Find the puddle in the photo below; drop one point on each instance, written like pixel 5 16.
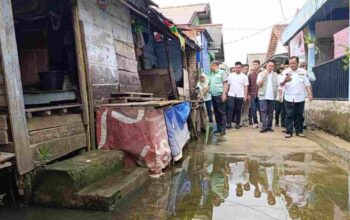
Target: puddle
pixel 230 186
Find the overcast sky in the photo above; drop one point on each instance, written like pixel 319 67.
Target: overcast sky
pixel 245 14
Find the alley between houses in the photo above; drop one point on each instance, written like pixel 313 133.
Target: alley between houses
pixel 225 179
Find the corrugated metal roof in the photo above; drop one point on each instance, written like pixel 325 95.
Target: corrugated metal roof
pixel 183 14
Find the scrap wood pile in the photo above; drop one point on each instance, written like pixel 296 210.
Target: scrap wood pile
pixel 197 121
pixel 131 97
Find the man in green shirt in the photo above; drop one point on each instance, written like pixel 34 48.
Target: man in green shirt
pixel 218 89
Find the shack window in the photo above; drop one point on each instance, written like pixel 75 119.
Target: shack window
pixel 46 48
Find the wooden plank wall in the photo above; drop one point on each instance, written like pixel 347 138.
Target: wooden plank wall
pixel 176 58
pixel 160 87
pixel 59 134
pixel 110 52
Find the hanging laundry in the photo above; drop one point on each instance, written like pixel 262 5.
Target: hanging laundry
pixel 176 32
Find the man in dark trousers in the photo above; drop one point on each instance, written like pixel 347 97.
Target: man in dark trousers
pixel 218 90
pixel 237 95
pixel 253 94
pixel 294 83
pixel 268 86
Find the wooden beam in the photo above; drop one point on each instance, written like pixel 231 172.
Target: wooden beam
pixel 83 83
pixel 4 137
pixel 3 101
pixel 49 108
pixel 39 123
pixel 50 134
pixel 90 93
pixel 4 156
pixel 171 71
pixel 13 83
pixel 3 123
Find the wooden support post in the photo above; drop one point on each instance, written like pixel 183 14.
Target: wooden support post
pixel 171 71
pixel 14 91
pixel 83 83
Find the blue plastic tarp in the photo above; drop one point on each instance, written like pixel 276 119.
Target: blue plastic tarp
pixel 176 123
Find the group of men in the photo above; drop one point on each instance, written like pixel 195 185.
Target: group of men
pixel 243 93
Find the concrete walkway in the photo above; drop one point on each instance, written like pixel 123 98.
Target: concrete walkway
pixel 249 140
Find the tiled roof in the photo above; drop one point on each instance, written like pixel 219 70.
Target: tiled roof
pixel 183 14
pixel 276 36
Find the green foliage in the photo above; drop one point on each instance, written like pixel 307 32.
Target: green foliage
pixel 308 39
pixel 44 154
pixel 346 58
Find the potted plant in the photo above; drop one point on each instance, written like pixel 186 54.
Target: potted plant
pixel 310 40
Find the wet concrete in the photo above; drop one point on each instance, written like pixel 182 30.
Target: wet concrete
pixel 245 175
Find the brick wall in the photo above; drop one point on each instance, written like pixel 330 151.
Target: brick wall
pixel 192 72
pixel 341 39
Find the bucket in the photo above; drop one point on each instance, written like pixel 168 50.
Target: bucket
pixel 51 80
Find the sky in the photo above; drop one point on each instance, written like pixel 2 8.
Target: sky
pixel 242 18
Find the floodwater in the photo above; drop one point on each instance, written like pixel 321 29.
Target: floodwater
pixel 205 185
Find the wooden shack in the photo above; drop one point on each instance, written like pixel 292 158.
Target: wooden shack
pixel 58 60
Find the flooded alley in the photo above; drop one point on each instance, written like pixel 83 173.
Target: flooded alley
pixel 241 179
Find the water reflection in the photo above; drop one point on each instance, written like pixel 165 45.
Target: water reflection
pixel 297 186
pixel 219 186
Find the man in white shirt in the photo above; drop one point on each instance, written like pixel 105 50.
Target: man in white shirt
pixel 294 84
pixel 237 95
pixel 268 86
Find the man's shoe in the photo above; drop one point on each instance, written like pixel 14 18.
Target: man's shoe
pixel 263 131
pixel 284 131
pixel 228 127
pixel 223 133
pixel 270 130
pixel 301 135
pixel 217 132
pixel 255 126
pixel 288 136
pixel 238 127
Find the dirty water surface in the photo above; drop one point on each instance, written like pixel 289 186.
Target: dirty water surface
pixel 242 185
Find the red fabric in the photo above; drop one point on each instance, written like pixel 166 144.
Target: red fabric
pixel 140 133
pixel 168 23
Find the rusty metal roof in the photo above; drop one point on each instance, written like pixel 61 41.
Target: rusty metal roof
pixel 276 36
pixel 184 14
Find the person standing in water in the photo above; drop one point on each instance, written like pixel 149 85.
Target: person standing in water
pixel 204 95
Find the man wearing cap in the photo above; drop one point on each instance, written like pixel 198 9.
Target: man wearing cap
pixel 218 90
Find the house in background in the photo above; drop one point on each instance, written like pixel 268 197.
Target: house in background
pixel 275 45
pixel 202 37
pixel 198 15
pixel 324 25
pixel 198 18
pixel 276 51
pixel 255 56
